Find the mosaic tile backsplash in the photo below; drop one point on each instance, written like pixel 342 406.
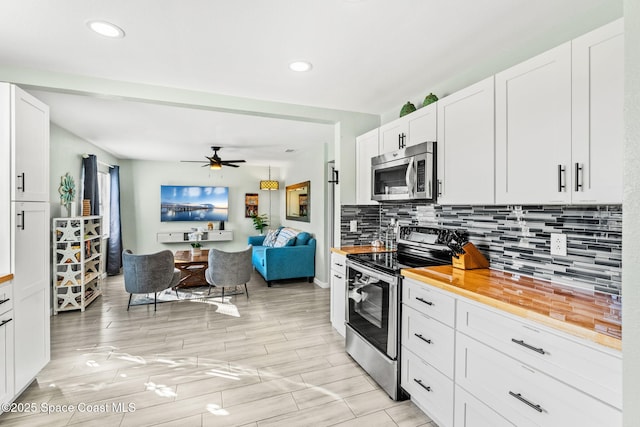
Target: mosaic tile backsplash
pixel 515 238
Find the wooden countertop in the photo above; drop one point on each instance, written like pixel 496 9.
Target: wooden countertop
pixel 6 278
pixel 350 250
pixel 588 314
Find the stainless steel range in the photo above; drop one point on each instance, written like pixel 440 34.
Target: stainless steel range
pixel 373 300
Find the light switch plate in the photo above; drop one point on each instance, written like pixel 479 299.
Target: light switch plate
pixel 353 225
pixel 558 244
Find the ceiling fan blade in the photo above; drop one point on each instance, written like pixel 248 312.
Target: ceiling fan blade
pixel 233 161
pixel 231 165
pixel 191 161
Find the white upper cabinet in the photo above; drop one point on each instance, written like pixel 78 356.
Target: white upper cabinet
pixel 598 91
pixel 422 125
pixel 29 146
pixel 366 148
pixel 5 180
pixel 465 149
pixel 414 128
pixel 533 130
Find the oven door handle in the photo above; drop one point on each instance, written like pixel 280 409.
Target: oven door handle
pixel 390 279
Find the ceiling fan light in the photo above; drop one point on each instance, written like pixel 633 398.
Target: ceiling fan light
pixel 215 166
pixel 269 184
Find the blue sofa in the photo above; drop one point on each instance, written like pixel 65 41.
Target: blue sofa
pixel 287 262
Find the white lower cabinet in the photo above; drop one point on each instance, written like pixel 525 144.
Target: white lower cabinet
pixel 338 282
pixel 524 395
pixel 467 364
pixel 430 389
pixel 432 340
pixel 470 412
pixel 6 343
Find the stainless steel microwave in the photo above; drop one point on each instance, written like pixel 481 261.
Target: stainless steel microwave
pixel 406 174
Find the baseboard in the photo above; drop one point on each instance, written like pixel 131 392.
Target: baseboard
pixel 320 283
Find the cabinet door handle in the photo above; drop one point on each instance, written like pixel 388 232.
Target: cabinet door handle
pixel 426 387
pixel 339 265
pixel 21 177
pixel 561 185
pixel 424 301
pixel 439 187
pixel 526 402
pixel 2 301
pixel 4 322
pixel 529 346
pixel 21 216
pixel 423 338
pixel 579 174
pixel 338 276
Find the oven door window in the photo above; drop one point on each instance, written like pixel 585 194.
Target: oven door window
pixel 369 308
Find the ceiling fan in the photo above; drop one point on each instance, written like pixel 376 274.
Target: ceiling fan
pixel 215 162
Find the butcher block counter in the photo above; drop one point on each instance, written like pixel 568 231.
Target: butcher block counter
pixel 6 278
pixel 591 315
pixel 351 250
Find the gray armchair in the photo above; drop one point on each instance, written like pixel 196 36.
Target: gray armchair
pixel 229 269
pixel 144 274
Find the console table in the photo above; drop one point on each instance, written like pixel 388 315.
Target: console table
pixel 183 236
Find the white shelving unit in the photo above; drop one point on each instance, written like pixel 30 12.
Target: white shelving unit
pixel 77 254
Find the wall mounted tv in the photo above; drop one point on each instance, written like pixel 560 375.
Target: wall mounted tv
pixel 193 203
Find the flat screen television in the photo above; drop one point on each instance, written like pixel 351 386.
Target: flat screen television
pixel 193 203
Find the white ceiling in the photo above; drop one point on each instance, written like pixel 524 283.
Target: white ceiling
pixel 368 56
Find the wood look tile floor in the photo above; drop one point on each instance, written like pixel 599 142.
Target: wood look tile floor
pixel 270 360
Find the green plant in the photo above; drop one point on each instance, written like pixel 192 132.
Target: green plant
pixel 196 245
pixel 260 222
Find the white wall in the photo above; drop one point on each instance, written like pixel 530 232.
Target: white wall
pixel 140 201
pixel 583 22
pixel 630 222
pixel 65 151
pixel 310 165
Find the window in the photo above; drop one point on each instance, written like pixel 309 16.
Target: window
pixel 104 185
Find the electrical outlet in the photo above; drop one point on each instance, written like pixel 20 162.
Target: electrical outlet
pixel 353 225
pixel 558 244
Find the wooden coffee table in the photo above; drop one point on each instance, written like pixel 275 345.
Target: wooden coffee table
pixel 192 267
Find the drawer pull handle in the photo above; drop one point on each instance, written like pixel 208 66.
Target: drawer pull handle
pixel 339 265
pixel 426 387
pixel 525 401
pixel 2 301
pixel 530 347
pixel 424 301
pixel 4 322
pixel 423 338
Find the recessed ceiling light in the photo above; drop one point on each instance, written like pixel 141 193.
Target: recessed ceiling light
pixel 300 66
pixel 106 29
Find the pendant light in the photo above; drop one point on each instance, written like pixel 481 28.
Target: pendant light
pixel 269 184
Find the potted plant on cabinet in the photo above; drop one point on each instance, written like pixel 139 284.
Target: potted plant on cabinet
pixel 196 246
pixel 260 222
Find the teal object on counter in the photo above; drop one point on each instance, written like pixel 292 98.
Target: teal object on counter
pixel 407 108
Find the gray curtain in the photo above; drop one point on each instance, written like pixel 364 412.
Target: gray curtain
pixel 91 190
pixel 114 251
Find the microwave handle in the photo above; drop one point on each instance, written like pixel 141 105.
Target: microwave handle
pixel 410 177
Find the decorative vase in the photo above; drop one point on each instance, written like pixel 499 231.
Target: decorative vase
pixel 71 209
pixel 429 99
pixel 407 108
pixel 196 251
